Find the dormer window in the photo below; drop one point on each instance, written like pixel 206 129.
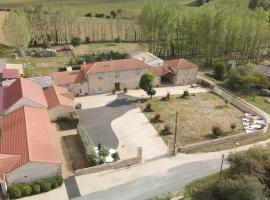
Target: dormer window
pixel 99 75
pixel 117 75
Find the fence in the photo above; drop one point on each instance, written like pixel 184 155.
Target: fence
pixel 112 166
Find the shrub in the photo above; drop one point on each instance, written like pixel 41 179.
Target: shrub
pixel 217 131
pixel 115 156
pixel 125 90
pixel 87 39
pixel 113 91
pixel 36 189
pixel 233 126
pixel 99 15
pixel 88 15
pixel 75 118
pixel 26 189
pixel 117 40
pixel 219 71
pixel 167 97
pixel 14 192
pixel 59 180
pixel 185 94
pixel 265 92
pixel 87 145
pixel 157 117
pixel 54 182
pixel 166 130
pixel 103 152
pixel 148 108
pixel 78 106
pixel 45 185
pixel 76 41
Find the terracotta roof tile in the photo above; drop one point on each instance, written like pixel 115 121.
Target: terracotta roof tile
pixel 27 132
pixel 10 73
pixel 68 77
pixel 25 88
pixel 179 63
pixel 160 70
pixel 7 163
pixel 56 96
pixel 114 65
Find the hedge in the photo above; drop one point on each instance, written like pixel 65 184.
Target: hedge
pixel 87 145
pixel 75 117
pixel 19 190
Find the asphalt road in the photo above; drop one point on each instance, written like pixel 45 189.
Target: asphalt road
pixel 152 186
pixel 98 120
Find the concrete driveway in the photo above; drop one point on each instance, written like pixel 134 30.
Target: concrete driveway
pixel 98 120
pixel 134 130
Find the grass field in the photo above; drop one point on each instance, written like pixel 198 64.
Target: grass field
pixel 104 6
pixel 259 102
pixel 197 116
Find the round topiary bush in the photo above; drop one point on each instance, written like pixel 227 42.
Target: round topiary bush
pixel 217 131
pixel 14 192
pixel 26 189
pixel 45 185
pixel 36 189
pixel 54 182
pixel 59 180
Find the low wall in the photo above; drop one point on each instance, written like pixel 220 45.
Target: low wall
pixel 112 166
pixel 237 102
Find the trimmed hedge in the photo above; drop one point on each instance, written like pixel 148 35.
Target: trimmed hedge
pixel 87 145
pixel 19 190
pixel 75 117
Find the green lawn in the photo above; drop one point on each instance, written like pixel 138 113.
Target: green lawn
pixel 85 6
pixel 197 116
pixel 259 102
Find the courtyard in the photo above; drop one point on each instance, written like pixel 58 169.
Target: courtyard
pixel 197 116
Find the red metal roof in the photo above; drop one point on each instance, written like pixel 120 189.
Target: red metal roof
pixel 10 73
pixel 23 88
pixel 7 163
pixel 68 77
pixel 179 63
pixel 56 96
pixel 114 65
pixel 27 132
pixel 160 70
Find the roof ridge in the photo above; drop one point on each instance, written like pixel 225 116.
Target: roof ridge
pixel 54 90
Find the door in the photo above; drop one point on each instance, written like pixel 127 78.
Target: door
pixel 117 86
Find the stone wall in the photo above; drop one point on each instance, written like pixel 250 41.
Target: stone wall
pixel 237 102
pixel 112 166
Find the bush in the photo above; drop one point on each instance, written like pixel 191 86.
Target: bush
pixel 103 152
pixel 59 180
pixel 14 192
pixel 115 156
pixel 125 90
pixel 220 71
pixel 87 145
pixel 265 92
pixel 87 39
pixel 45 185
pixel 148 108
pixel 99 15
pixel 26 189
pixel 156 118
pixel 233 126
pixel 113 91
pixel 78 106
pixel 167 130
pixel 76 41
pixel 217 131
pixel 54 182
pixel 36 189
pixel 167 97
pixel 75 118
pixel 88 15
pixel 117 40
pixel 185 94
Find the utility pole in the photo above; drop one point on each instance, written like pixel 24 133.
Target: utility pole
pixel 221 166
pixel 175 132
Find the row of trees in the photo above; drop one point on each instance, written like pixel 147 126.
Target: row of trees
pixel 43 25
pixel 211 32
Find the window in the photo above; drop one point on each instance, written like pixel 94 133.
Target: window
pixel 117 74
pixel 99 75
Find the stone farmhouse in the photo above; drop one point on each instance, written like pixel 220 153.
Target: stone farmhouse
pixel 106 76
pixel 27 148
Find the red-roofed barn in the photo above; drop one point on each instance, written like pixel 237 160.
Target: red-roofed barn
pixel 27 148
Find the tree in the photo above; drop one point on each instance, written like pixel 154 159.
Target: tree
pixel 220 71
pixel 76 41
pixel 265 4
pixel 16 30
pixel 241 188
pixel 146 84
pixel 113 13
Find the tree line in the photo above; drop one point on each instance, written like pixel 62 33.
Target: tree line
pixel 210 32
pixel 59 25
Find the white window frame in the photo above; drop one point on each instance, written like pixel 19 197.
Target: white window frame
pixel 100 75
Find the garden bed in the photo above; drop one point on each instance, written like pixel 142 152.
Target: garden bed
pixel 197 116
